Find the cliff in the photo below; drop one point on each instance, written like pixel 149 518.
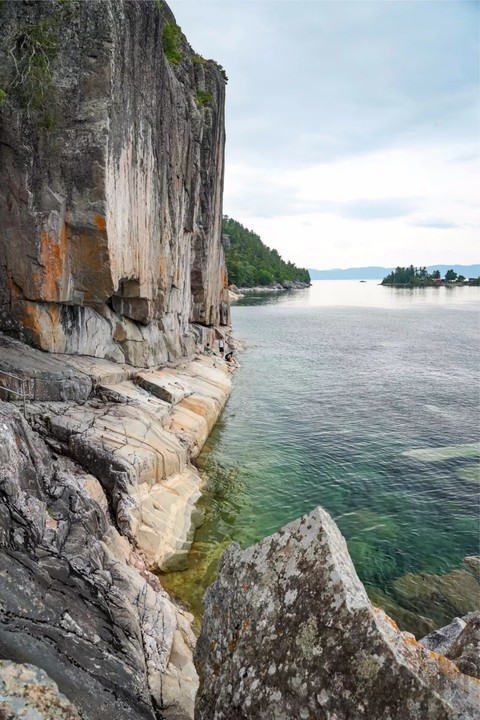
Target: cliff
pixel 111 264
pixel 111 176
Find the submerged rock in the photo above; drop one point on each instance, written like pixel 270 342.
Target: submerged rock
pixel 289 632
pixel 442 597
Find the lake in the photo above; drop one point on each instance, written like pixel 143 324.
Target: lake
pixel 340 388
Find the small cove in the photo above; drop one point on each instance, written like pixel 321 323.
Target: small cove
pixel 338 385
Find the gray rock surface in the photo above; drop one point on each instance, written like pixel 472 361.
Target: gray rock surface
pixel 28 693
pixel 460 642
pixel 111 180
pixel 44 376
pixel 289 632
pixel 75 599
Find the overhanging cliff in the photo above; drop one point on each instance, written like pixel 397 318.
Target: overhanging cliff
pixel 111 177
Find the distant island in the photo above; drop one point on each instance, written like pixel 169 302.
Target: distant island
pixel 419 277
pixel 250 263
pixel 375 272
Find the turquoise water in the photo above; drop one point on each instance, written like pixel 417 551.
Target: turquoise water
pixel 336 383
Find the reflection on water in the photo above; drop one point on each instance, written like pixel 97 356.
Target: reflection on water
pixel 338 385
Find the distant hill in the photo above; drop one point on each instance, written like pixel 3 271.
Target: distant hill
pixel 374 272
pixel 250 262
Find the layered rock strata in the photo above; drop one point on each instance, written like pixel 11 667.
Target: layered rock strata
pixel 111 177
pixel 89 511
pixel 289 632
pixel 75 599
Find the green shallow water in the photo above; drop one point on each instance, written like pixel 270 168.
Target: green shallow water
pixel 364 400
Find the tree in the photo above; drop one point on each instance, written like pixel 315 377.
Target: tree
pixel 450 276
pixel 436 275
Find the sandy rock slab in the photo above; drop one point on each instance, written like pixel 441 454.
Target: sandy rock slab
pixel 75 600
pixel 139 447
pixel 289 632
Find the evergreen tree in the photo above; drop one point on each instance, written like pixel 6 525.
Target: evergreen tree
pixel 250 262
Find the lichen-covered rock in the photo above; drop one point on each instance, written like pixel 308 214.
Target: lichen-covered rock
pixel 75 599
pixel 289 632
pixel 28 693
pixel 111 178
pixel 460 642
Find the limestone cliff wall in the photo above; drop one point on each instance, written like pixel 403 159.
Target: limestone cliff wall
pixel 111 179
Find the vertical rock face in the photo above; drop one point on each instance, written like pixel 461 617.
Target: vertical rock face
pixel 289 632
pixel 111 178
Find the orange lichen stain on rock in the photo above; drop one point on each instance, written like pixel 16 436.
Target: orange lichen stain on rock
pixel 54 258
pixel 245 625
pixel 44 325
pixel 100 222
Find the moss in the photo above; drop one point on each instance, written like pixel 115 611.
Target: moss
pixel 171 41
pixel 3 96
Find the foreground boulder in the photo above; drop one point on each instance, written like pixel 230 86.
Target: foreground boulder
pixel 289 633
pixel 75 599
pixel 27 692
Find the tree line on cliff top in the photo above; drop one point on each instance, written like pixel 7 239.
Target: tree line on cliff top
pixel 250 262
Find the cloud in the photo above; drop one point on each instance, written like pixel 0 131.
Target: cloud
pixel 434 223
pixel 377 209
pixel 352 127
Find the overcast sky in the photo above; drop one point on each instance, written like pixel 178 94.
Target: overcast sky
pixel 352 127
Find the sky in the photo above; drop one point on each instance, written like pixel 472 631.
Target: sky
pixel 353 127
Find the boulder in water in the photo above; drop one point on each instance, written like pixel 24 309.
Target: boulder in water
pixel 289 632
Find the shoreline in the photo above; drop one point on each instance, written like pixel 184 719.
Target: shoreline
pixel 129 437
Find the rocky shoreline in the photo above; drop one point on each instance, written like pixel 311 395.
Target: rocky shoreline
pixel 100 492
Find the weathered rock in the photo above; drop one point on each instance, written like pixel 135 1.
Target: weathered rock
pixel 139 448
pixel 111 179
pixel 72 601
pixel 27 692
pixel 38 375
pixel 460 642
pixel 289 632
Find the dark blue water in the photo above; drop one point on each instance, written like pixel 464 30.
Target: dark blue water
pixel 336 383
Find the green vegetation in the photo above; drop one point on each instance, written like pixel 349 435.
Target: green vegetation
pixel 171 42
pixel 199 60
pixel 33 46
pixel 203 98
pixel 3 95
pixel 251 263
pixel 419 277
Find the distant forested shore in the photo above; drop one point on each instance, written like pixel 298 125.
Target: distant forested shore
pixel 251 263
pixel 419 277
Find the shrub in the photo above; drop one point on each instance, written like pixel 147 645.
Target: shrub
pixel 204 98
pixel 171 38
